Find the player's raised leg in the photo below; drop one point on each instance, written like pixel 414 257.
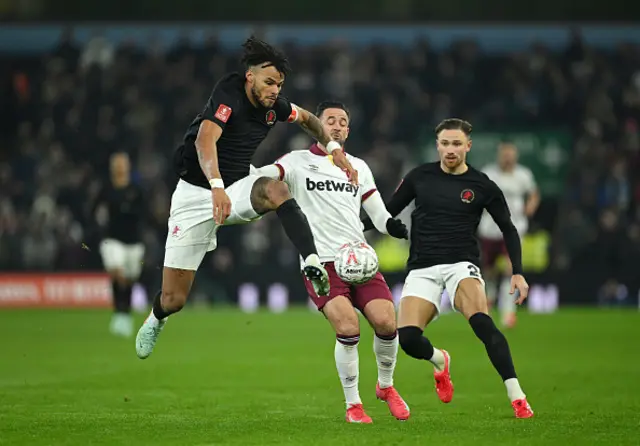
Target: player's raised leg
pixel 381 314
pixel 471 301
pixel 272 195
pixel 344 320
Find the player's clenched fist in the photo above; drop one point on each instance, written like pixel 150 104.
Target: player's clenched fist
pixel 221 205
pixel 397 229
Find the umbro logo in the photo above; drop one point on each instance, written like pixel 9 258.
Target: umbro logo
pixel 313 167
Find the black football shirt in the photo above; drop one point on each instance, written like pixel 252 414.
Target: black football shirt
pixel 447 212
pixel 244 127
pixel 127 212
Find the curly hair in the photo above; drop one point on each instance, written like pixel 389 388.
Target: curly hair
pixel 258 52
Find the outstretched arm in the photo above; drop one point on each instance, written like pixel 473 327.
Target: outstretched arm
pixel 314 128
pixel 381 218
pixel 377 211
pixel 400 200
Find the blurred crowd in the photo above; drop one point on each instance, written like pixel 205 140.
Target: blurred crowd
pixel 63 114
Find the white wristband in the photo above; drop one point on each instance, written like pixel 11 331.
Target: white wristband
pixel 333 145
pixel 216 183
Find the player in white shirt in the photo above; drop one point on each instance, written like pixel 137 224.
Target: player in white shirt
pixel 332 206
pixel 521 192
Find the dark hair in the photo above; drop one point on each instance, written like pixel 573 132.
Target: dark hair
pixel 455 124
pixel 258 52
pixel 331 104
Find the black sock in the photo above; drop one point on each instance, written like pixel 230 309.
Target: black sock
pixel 119 305
pixel 296 226
pixel 159 312
pixel 126 298
pixel 115 292
pixel 414 344
pixel 495 343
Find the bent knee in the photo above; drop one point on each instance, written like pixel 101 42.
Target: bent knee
pixel 277 192
pixel 409 339
pixel 342 317
pixel 384 324
pixel 346 325
pixel 268 194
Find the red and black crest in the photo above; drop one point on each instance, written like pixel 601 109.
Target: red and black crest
pixel 270 117
pixel 467 196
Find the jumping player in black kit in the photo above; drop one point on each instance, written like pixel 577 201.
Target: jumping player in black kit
pixel 121 248
pixel 450 197
pixel 216 187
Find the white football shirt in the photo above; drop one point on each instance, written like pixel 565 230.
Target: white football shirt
pixel 323 192
pixel 515 186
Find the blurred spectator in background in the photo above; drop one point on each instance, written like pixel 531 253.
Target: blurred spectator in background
pixel 65 113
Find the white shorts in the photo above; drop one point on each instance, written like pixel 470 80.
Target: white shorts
pixel 429 283
pixel 121 256
pixel 192 231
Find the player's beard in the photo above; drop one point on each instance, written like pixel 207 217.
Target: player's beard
pixel 258 100
pixel 451 164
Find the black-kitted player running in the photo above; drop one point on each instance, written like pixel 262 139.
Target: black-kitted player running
pixel 216 187
pixel 450 197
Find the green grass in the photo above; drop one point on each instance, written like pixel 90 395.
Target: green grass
pixel 223 377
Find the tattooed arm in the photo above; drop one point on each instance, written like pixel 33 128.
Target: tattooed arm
pixel 313 127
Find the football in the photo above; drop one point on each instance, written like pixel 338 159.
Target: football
pixel 356 263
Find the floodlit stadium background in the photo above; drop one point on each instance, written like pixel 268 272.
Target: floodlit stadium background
pixel 237 373
pixel 569 98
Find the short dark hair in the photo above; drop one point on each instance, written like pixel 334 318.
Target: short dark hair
pixel 259 52
pixel 331 104
pixel 455 124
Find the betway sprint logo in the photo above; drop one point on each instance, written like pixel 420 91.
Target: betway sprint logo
pixel 332 186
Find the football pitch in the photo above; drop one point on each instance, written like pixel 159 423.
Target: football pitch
pixel 221 377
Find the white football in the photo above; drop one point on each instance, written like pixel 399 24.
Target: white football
pixel 356 263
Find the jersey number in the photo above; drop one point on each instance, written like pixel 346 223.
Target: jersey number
pixel 473 271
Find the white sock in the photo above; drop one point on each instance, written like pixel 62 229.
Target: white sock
pixel 507 301
pixel 513 389
pixel 386 351
pixel 347 363
pixel 437 359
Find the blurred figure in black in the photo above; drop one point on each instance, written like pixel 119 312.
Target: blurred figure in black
pixel 121 248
